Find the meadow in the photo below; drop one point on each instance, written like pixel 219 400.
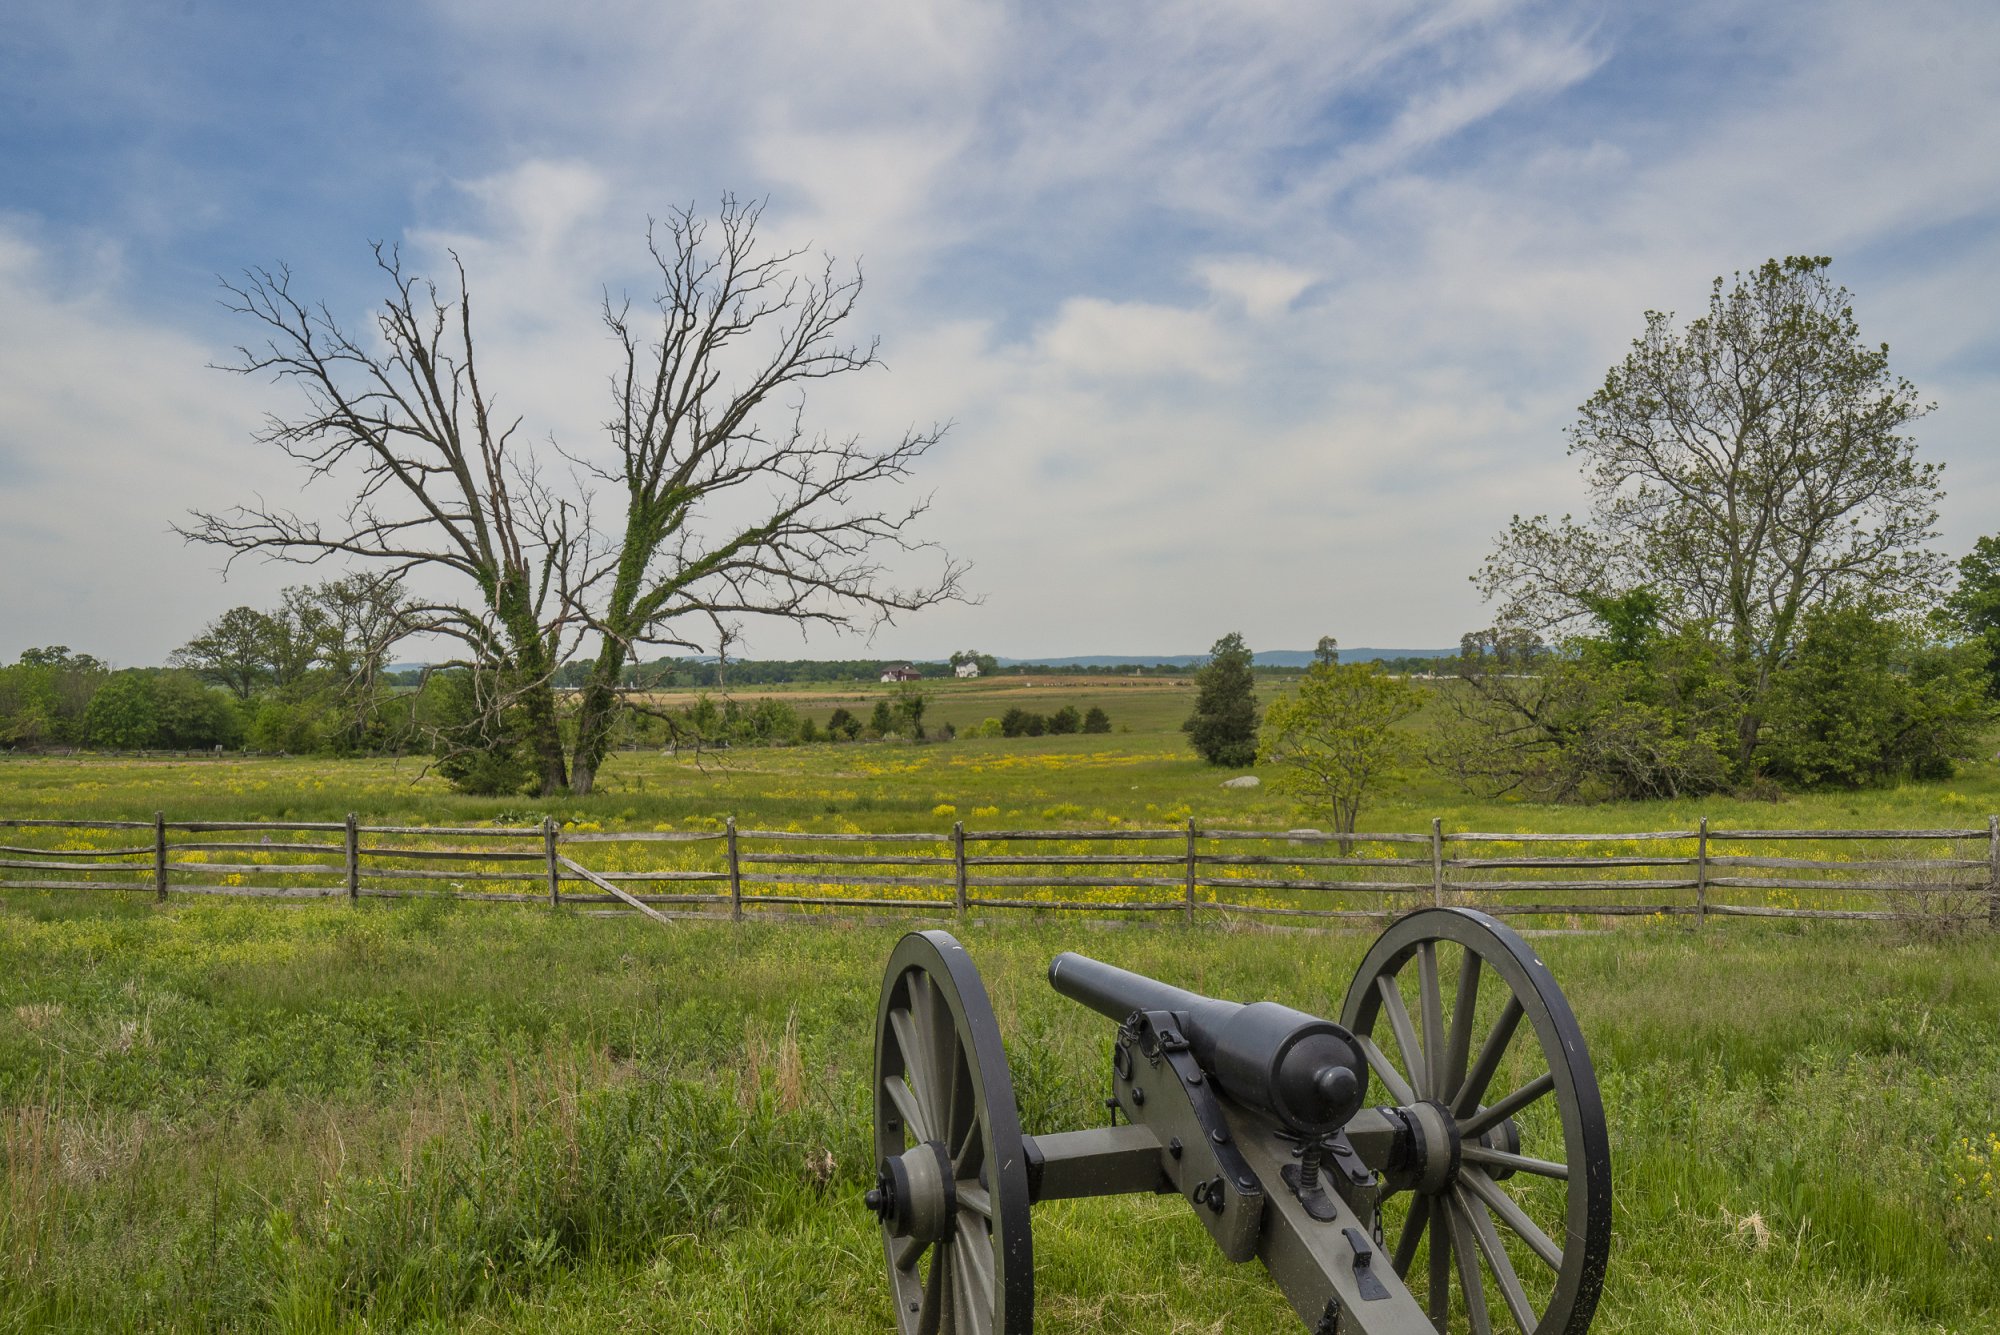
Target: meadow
pixel 442 1116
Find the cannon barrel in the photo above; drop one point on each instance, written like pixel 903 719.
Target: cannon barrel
pixel 1303 1070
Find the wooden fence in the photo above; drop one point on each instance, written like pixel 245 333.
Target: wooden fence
pixel 1948 875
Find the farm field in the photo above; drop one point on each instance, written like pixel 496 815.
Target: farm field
pixel 441 1116
pixel 448 1117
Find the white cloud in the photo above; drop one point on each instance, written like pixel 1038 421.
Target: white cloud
pixel 112 430
pixel 1272 311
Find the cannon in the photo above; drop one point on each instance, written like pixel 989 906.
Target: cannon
pixel 1436 1160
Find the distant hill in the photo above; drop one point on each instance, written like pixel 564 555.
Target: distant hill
pixel 1264 658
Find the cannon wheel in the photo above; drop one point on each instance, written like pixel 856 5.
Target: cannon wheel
pixel 943 1097
pixel 1480 1210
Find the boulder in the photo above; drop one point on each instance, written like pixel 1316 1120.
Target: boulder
pixel 1242 781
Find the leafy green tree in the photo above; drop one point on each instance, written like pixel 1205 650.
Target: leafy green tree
pixel 882 722
pixel 189 715
pixel 124 713
pixel 1096 720
pixel 1868 699
pixel 1223 727
pixel 842 726
pixel 911 701
pixel 1974 605
pixel 1065 721
pixel 1743 469
pixel 1327 650
pixel 1336 739
pixel 43 697
pixel 234 651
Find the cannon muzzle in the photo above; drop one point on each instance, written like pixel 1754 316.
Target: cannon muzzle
pixel 1305 1071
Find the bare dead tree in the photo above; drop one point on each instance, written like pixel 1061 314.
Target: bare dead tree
pixel 437 483
pixel 732 507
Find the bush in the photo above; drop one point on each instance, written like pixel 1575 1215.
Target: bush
pixel 1065 721
pixel 478 747
pixel 1866 699
pixel 1096 720
pixel 991 727
pixel 842 726
pixel 1018 722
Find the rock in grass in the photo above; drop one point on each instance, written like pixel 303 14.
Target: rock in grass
pixel 1242 781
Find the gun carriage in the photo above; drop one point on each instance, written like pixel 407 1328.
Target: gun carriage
pixel 1437 1160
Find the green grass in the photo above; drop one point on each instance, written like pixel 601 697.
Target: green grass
pixel 440 1116
pixel 235 1117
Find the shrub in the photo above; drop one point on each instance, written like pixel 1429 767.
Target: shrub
pixel 1065 721
pixel 1096 720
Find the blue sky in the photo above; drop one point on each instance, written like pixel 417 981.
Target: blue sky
pixel 1260 317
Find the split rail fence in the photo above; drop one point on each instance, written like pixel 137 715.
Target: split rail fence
pixel 1951 875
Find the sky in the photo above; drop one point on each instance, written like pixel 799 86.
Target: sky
pixel 1260 317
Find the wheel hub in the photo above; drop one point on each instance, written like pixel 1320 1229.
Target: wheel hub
pixel 914 1194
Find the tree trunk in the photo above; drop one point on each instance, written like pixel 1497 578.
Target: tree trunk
pixel 594 716
pixel 537 689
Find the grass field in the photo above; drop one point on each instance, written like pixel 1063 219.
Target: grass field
pixel 452 1117
pixel 230 1117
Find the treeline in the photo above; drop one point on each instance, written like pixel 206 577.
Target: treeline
pixel 1637 708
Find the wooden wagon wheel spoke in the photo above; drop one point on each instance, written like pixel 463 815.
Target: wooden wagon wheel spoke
pixel 1490 1053
pixel 1413 1232
pixel 970 1150
pixel 1439 1306
pixel 1487 1118
pixel 1458 1047
pixel 1513 1216
pixel 914 1075
pixel 975 1253
pixel 1497 1261
pixel 1519 1163
pixel 1405 1033
pixel 1467 1256
pixel 1385 1070
pixel 906 1252
pixel 937 1057
pixel 906 1105
pixel 973 1197
pixel 1430 1007
pixel 1480 1168
pixel 931 1318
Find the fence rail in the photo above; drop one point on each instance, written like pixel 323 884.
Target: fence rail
pixel 1948 874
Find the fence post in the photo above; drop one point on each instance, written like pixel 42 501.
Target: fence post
pixel 160 856
pixel 352 857
pixel 549 857
pixel 1187 912
pixel 1701 876
pixel 1993 871
pixel 1437 861
pixel 735 876
pixel 958 864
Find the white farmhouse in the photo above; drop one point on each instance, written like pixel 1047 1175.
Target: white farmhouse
pixel 967 671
